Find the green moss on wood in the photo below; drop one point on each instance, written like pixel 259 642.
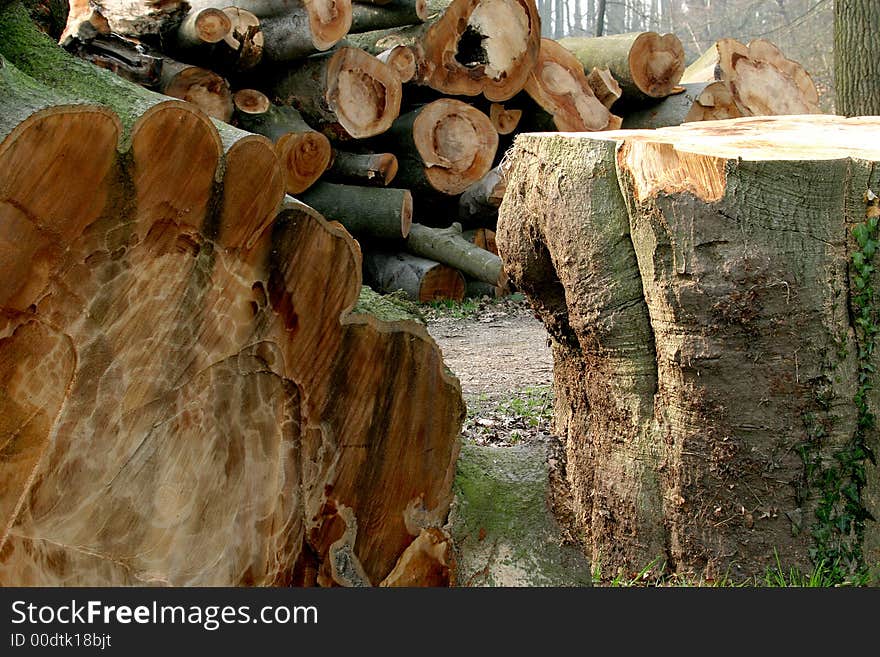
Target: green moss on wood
pixel 394 307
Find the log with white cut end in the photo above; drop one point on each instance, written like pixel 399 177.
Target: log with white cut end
pixel 238 49
pixel 199 86
pixel 646 65
pixel 402 59
pixel 396 13
pixel 760 80
pixel 447 245
pixel 443 146
pixel 346 93
pixel 557 83
pixel 195 389
pixel 304 153
pixel 504 119
pixel 200 26
pixel 373 169
pixel 604 86
pixel 481 200
pixel 380 212
pixel 422 279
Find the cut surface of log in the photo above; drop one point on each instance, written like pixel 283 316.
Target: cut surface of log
pixel 604 86
pixel 759 78
pixel 128 17
pixel 697 284
pixel 362 168
pixel 346 93
pixel 183 375
pixel 382 212
pixel 504 119
pixel 199 86
pixel 645 64
pixel 447 246
pixel 304 153
pixel 446 144
pixel 482 237
pixel 558 84
pixel 402 59
pixel 421 279
pixel 251 101
pixel 208 25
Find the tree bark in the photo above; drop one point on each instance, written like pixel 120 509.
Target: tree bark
pixel 304 153
pixel 120 56
pixel 481 200
pixel 447 246
pixel 759 78
pixel 187 397
pixel 699 101
pixel 421 279
pixel 645 64
pixel 201 26
pixel 395 13
pixel 380 212
pixel 856 57
pixel 443 146
pixel 375 169
pixel 557 83
pixel 711 377
pixel 346 93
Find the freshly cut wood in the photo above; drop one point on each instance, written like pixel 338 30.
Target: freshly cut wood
pixel 294 35
pixel 127 17
pixel 604 86
pixel 375 169
pixel 557 83
pixel 482 237
pixel 472 47
pixel 402 59
pixel 208 25
pixel 242 48
pixel 395 13
pixel 251 101
pixel 85 25
pixel 381 212
pixel 446 245
pixel 443 146
pixel 346 93
pixel 199 86
pixel 759 78
pixel 646 65
pixel 505 120
pixel 121 56
pixel 304 153
pixel 421 279
pixel 187 396
pixel 481 200
pixel 697 285
pixel 700 101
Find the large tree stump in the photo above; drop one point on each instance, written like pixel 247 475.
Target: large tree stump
pixel 190 395
pixel 713 333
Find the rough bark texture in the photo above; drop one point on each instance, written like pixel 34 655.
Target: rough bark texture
pixel 383 212
pixel 375 169
pixel 857 57
pixel 396 13
pixel 705 350
pixel 187 397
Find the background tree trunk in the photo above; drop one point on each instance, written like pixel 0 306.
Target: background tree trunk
pixel 857 56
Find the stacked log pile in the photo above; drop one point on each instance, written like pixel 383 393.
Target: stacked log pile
pixel 393 116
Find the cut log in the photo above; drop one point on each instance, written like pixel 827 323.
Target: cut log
pixel 347 93
pixel 700 285
pixel 473 47
pixel 699 102
pixel 421 279
pixel 604 86
pixel 380 212
pixel 646 65
pixel 443 146
pixel 373 169
pixel 201 26
pixel 480 201
pixel 505 120
pixel 447 246
pixel 251 101
pixel 86 24
pixel 758 77
pixel 134 18
pixel 120 56
pixel 402 59
pixel 199 86
pixel 295 35
pixel 481 237
pixel 242 48
pixel 304 153
pixel 396 13
pixel 187 398
pixel 478 289
pixel 557 83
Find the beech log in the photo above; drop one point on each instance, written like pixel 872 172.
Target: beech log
pixel 121 56
pixel 443 146
pixel 447 246
pixel 199 86
pixel 702 287
pixel 421 279
pixel 700 101
pixel 189 395
pixel 372 169
pixel 346 93
pixel 380 212
pixel 557 83
pixel 396 13
pixel 505 120
pixel 479 203
pixel 645 64
pixel 201 26
pixel 133 18
pixel 481 237
pixel 604 86
pixel 402 59
pixel 759 78
pixel 304 153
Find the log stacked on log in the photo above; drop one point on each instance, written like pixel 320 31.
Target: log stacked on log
pixel 421 97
